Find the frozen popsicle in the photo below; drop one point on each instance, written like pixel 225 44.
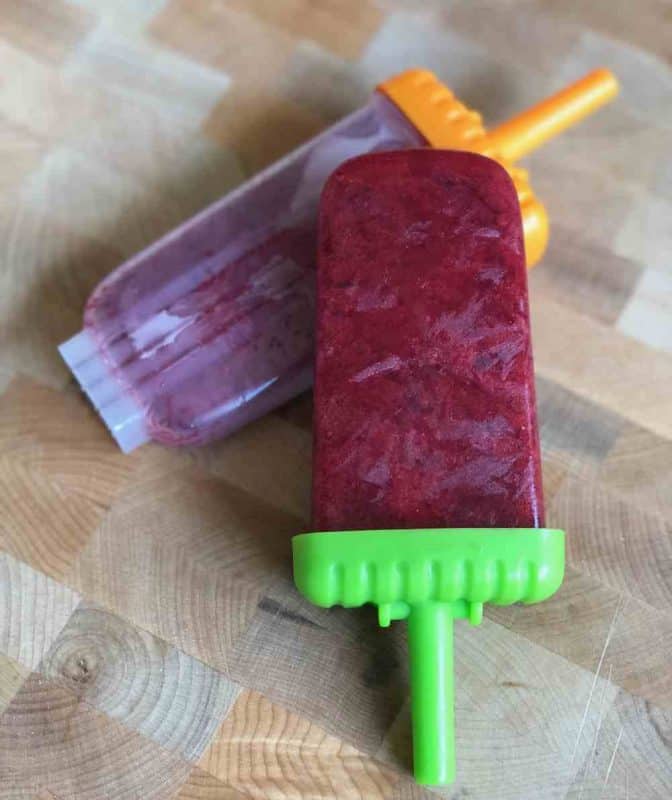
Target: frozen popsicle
pixel 427 494
pixel 212 326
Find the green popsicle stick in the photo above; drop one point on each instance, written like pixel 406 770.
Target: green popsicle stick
pixel 430 577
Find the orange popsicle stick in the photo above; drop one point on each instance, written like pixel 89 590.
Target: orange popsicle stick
pixel 446 122
pixel 523 134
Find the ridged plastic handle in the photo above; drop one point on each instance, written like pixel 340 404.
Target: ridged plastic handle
pixel 430 577
pixel 430 644
pixel 524 133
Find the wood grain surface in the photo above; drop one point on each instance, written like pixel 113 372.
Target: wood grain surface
pixel 152 644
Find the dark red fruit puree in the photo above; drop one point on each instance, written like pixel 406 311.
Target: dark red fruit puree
pixel 424 390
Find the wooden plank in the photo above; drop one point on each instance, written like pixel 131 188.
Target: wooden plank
pixel 538 41
pixel 252 50
pixel 12 676
pixel 574 432
pixel 639 26
pixel 585 276
pixel 629 756
pixel 164 591
pixel 51 501
pixel 126 63
pixel 266 751
pixel 139 680
pixel 42 523
pixel 49 737
pixel 639 468
pixel 60 28
pixel 599 364
pixel 33 611
pixel 619 544
pixel 49 270
pixel 270 458
pixel 259 126
pixel 646 316
pixel 56 436
pixel 603 630
pixel 197 586
pixel 342 27
pixel 202 785
pixel 354 675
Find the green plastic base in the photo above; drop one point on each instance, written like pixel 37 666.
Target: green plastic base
pixel 430 577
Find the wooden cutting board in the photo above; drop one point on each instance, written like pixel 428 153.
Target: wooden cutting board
pixel 151 642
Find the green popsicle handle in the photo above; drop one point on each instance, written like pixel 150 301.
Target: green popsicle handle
pixel 430 644
pixel 430 577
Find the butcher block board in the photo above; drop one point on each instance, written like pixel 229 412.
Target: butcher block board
pixel 151 642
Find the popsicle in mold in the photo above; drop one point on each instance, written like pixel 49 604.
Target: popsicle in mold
pixel 212 326
pixel 427 493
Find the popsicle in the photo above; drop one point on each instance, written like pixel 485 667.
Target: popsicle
pixel 427 494
pixel 212 326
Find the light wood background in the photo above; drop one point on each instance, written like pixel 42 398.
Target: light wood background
pixel 151 642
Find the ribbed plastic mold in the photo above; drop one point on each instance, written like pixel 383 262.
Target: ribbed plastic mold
pixel 122 414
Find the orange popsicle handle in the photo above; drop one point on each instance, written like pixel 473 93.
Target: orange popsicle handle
pixel 529 130
pixel 446 122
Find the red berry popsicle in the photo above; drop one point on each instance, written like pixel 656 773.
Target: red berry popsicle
pixel 426 480
pixel 425 408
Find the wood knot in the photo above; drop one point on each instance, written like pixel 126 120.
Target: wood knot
pixel 78 669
